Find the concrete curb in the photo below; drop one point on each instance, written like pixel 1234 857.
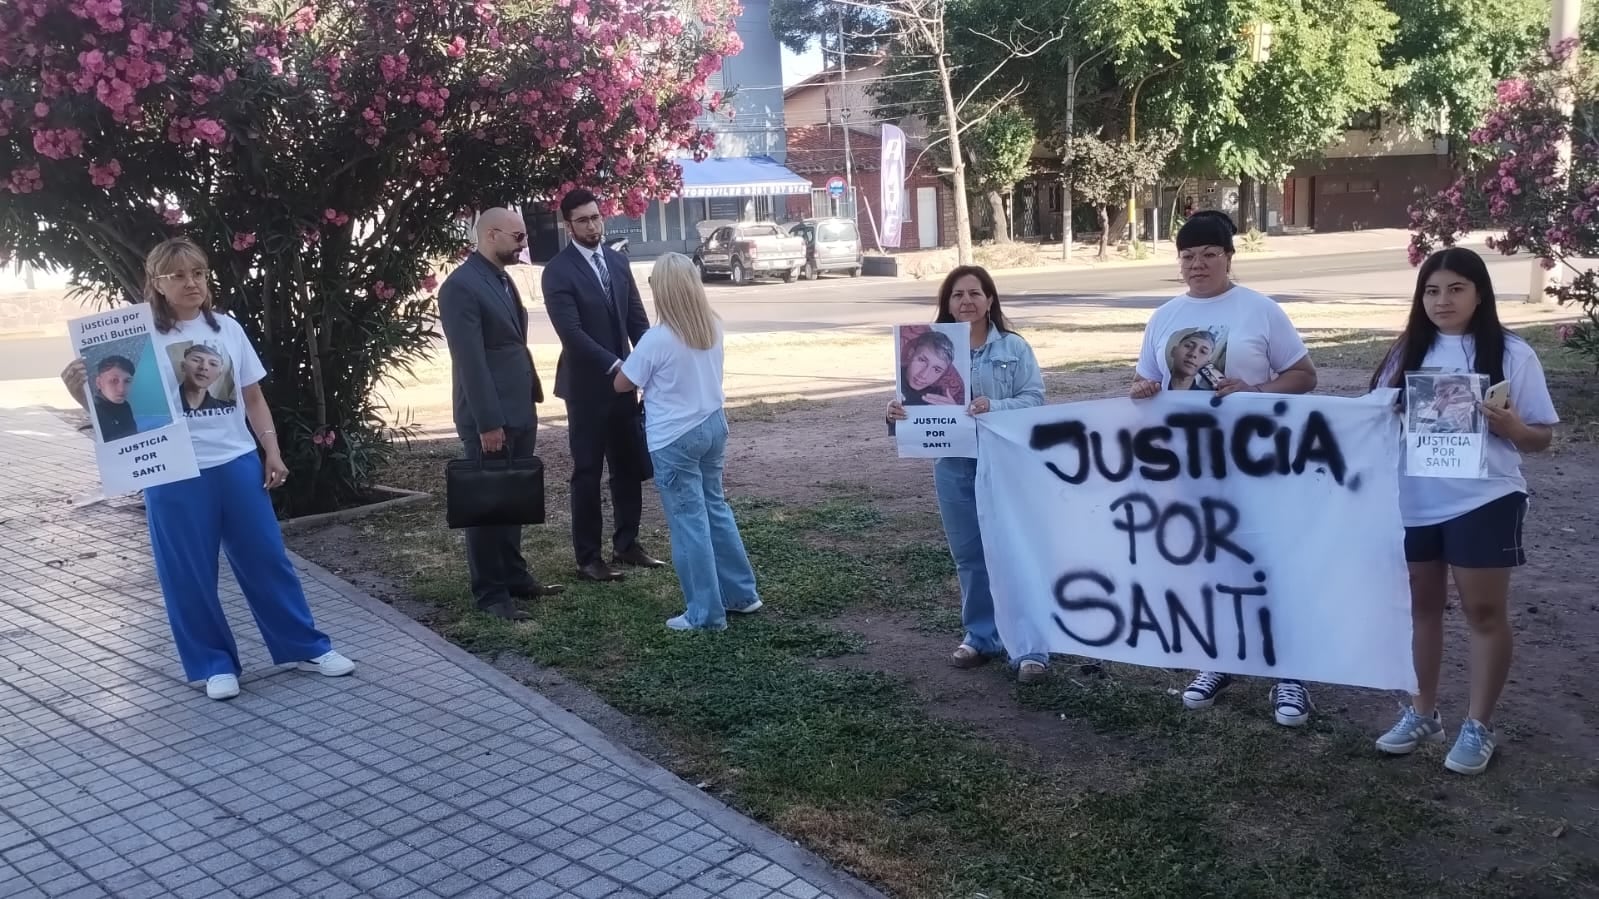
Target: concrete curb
pixel 744 829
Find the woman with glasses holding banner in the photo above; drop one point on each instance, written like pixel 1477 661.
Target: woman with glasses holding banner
pixel 1004 375
pixel 1222 336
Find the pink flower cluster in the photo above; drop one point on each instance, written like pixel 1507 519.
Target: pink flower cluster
pixel 185 130
pixel 105 175
pixel 325 438
pixel 243 240
pixel 24 180
pixel 58 143
pixel 335 218
pixel 383 291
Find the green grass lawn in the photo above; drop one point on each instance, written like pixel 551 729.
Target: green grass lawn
pixel 1136 798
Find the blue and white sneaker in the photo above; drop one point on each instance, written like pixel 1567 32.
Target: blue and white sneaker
pixel 1474 748
pixel 1291 703
pixel 1411 731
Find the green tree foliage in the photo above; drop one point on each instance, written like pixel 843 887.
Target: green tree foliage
pixel 1447 55
pixel 999 150
pixel 1104 172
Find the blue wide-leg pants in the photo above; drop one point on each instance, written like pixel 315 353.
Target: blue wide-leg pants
pixel 227 508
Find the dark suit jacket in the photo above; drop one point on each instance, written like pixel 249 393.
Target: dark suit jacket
pixel 485 325
pixel 596 328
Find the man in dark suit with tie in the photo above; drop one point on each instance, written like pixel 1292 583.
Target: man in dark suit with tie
pixel 495 387
pixel 595 307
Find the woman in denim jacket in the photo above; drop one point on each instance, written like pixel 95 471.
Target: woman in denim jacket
pixel 1005 375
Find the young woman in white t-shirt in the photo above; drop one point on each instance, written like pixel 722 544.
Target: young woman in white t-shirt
pixel 1223 337
pixel 226 508
pixel 678 366
pixel 1470 527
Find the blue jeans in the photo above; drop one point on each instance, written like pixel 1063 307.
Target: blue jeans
pixel 707 551
pixel 956 482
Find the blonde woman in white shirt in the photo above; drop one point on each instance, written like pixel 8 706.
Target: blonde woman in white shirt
pixel 678 366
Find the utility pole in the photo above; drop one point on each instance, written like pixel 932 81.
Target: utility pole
pixel 1564 18
pixel 843 118
pixel 1066 163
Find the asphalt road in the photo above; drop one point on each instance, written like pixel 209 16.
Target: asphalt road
pixel 838 301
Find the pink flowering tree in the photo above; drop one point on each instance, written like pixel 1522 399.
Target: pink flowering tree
pixel 328 156
pixel 1514 180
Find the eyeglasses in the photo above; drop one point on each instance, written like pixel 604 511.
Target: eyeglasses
pixel 589 220
pixel 1208 256
pixel 517 236
pixel 198 276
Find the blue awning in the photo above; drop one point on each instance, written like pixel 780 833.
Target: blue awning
pixel 740 176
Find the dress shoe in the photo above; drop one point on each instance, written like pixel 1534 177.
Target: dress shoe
pixel 505 610
pixel 538 590
pixel 636 556
pixel 598 571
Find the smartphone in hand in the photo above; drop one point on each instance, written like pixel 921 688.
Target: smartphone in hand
pixel 1498 396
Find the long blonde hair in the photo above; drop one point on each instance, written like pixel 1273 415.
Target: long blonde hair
pixel 168 257
pixel 680 301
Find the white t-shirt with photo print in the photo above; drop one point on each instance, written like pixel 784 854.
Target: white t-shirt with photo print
pixel 1191 343
pixel 1427 501
pixel 212 368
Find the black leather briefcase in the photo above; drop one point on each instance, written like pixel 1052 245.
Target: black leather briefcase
pixel 493 492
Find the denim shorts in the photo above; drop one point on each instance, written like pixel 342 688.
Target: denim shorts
pixel 1488 536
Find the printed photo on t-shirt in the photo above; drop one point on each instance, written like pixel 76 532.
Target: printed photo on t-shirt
pixel 206 383
pixel 1197 358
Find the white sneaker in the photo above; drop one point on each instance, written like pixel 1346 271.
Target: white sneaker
pixel 752 607
pixel 329 664
pixel 222 686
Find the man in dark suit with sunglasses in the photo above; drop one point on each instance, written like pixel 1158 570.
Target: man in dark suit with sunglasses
pixel 594 305
pixel 495 389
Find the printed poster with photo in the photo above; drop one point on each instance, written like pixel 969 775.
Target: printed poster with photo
pixel 1196 358
pixel 932 374
pixel 1445 431
pixel 140 436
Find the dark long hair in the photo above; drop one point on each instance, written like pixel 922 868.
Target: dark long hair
pixel 1487 334
pixel 996 316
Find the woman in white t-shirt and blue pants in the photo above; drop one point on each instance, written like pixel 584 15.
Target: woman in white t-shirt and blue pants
pixel 1470 527
pixel 1224 337
pixel 226 508
pixel 678 366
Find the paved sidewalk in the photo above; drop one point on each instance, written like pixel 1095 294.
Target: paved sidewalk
pixel 425 774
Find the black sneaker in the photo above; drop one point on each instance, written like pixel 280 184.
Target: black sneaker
pixel 1292 703
pixel 1201 694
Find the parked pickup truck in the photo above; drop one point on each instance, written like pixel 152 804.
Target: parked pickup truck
pixel 743 251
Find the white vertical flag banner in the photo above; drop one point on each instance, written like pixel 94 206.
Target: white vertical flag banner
pixel 932 381
pixel 1254 534
pixel 891 183
pixel 140 437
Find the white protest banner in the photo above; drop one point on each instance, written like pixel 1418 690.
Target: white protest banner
pixel 932 380
pixel 1254 534
pixel 1445 432
pixel 140 439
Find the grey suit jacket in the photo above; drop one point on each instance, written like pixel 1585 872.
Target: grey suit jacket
pixel 596 328
pixel 495 383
